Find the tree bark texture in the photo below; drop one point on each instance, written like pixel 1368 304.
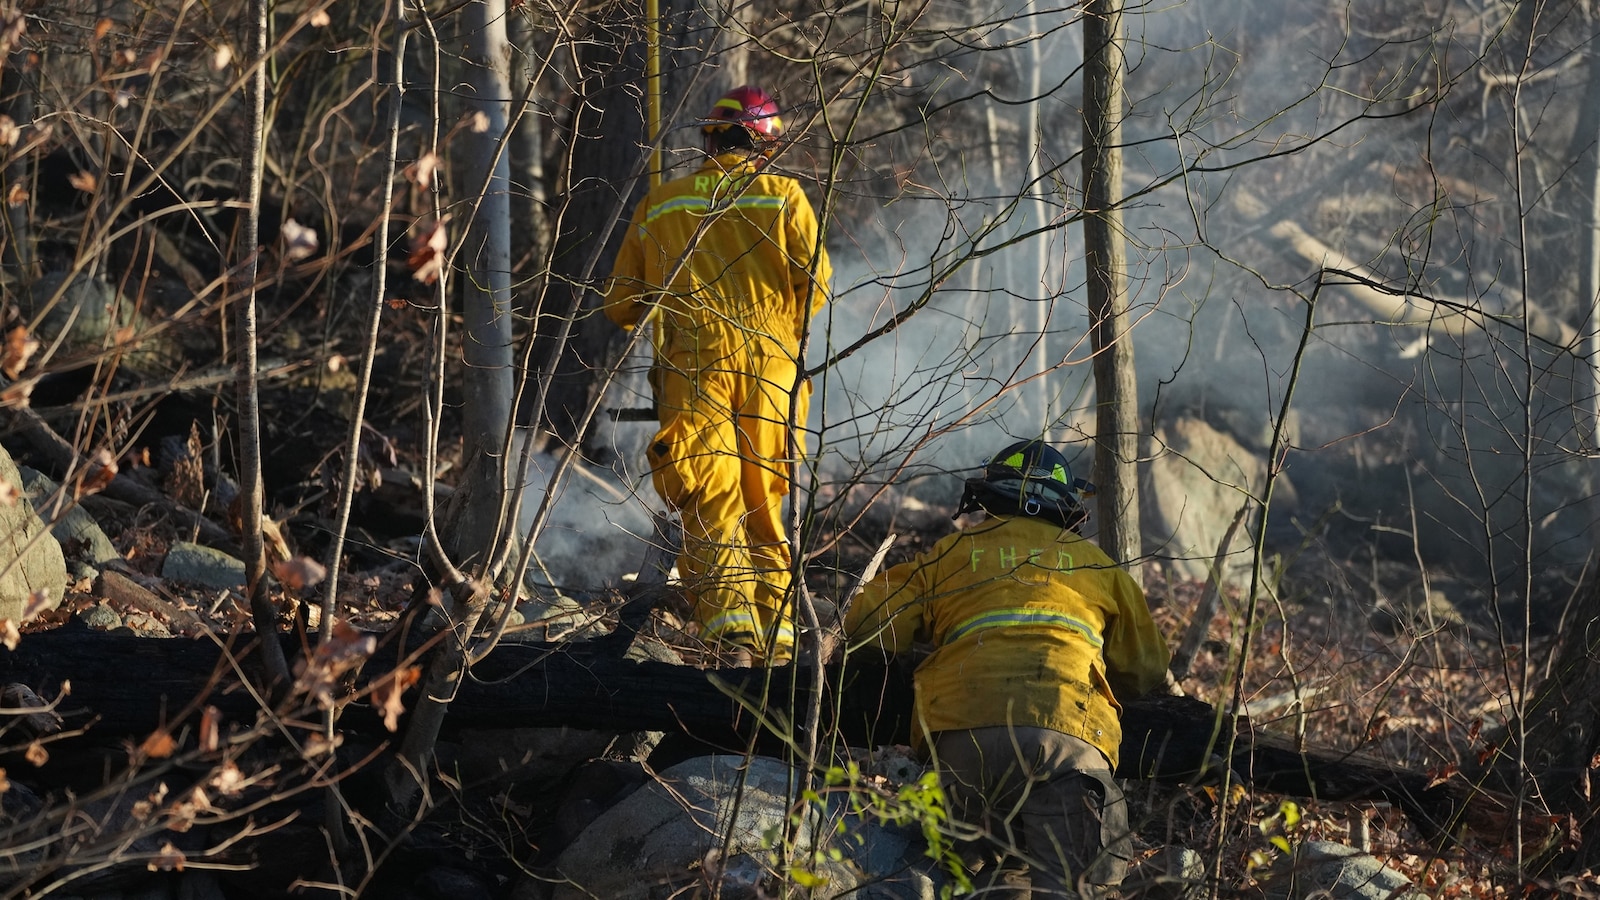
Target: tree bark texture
pixel 606 138
pixel 1105 258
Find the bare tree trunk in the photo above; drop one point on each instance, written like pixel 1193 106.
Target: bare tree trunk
pixel 1105 255
pixel 475 516
pixel 606 136
pixel 1562 736
pixel 704 58
pixel 251 494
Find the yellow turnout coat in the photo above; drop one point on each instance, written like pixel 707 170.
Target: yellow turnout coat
pixel 1032 624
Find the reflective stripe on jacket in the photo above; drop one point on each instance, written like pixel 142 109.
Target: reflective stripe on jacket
pixel 1032 625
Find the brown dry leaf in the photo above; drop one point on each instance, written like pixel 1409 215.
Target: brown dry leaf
pixel 210 729
pixel 17 394
pixel 421 173
pixel 36 754
pixel 388 691
pixel 272 536
pixel 427 252
pixel 38 604
pixel 18 349
pixel 10 637
pixel 124 57
pixel 299 241
pixel 17 196
pixel 345 650
pixel 9 495
pixel 102 468
pixel 396 303
pixel 478 122
pixel 183 812
pixel 320 19
pixel 5 783
pixel 143 809
pixel 299 572
pixel 229 780
pixel 102 28
pixel 159 745
pixel 9 132
pixel 168 859
pixel 317 745
pixel 83 181
pixel 186 481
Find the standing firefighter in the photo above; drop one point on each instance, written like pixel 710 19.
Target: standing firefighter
pixel 727 265
pixel 1038 637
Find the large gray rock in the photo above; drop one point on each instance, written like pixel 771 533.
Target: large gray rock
pixel 1327 870
pixel 714 822
pixel 30 556
pixel 204 566
pixel 90 316
pixel 71 524
pixel 1195 482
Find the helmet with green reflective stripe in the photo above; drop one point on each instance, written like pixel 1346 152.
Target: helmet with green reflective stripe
pixel 1029 478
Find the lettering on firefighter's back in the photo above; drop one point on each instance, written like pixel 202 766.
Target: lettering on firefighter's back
pixel 1008 558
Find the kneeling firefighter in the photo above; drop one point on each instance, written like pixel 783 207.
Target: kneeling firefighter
pixel 1039 637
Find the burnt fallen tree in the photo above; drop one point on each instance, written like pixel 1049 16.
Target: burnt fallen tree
pixel 123 688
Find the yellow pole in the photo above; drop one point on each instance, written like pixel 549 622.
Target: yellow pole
pixel 652 85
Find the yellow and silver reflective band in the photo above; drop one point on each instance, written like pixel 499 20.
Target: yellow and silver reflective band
pixel 733 620
pixel 1001 618
pixel 740 622
pixel 699 206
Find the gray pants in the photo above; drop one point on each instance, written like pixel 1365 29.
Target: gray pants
pixel 1039 805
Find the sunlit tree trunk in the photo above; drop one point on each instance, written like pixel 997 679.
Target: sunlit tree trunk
pixel 1117 415
pixel 486 288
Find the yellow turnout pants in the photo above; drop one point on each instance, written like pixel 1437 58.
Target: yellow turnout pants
pixel 721 458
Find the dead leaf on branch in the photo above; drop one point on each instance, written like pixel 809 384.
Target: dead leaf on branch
pixel 210 729
pixel 36 754
pixel 421 173
pixel 427 252
pixel 102 469
pixel 297 573
pixel 9 495
pixel 186 481
pixel 10 637
pixel 17 394
pixel 388 691
pixel 83 181
pixel 38 604
pixel 17 196
pixel 9 132
pixel 347 649
pixel 229 780
pixel 19 348
pixel 299 241
pixel 320 19
pixel 159 745
pixel 168 859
